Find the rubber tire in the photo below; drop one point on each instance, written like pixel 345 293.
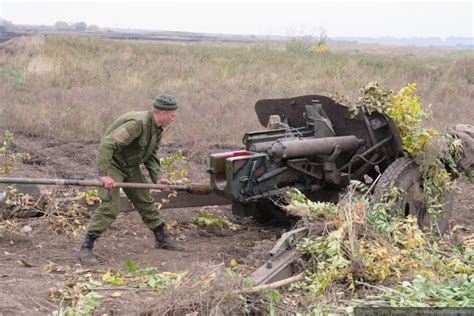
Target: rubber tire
pixel 404 174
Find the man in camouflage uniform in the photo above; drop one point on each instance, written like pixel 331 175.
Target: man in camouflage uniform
pixel 129 142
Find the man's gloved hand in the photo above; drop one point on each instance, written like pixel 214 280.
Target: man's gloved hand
pixel 108 182
pixel 165 182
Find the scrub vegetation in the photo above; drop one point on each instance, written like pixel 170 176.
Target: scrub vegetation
pixel 72 88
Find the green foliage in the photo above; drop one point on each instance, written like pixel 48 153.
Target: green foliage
pixel 297 203
pixel 439 165
pixel 365 244
pixel 454 155
pixel 373 99
pixel 380 215
pixel 131 266
pixel 85 306
pixel 298 45
pixel 206 219
pixel 274 297
pixel 76 294
pixel 149 278
pixel 359 186
pixel 82 300
pixel 309 45
pixel 423 292
pixel 329 261
pixel 113 277
pixel 303 45
pixel 91 197
pixel 142 278
pixel 295 195
pixel 406 112
pixel 404 109
pixel 7 157
pixel 322 247
pixel 175 167
pixel 437 183
pixel 469 176
pixel 438 154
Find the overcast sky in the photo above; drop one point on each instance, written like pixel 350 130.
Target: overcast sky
pixel 339 18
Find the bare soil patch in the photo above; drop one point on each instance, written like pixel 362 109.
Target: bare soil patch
pixel 25 289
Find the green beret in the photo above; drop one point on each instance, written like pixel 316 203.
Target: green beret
pixel 165 102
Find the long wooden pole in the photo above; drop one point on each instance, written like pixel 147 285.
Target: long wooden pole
pixel 197 188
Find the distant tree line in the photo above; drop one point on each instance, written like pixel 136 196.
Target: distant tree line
pixel 5 25
pixel 75 26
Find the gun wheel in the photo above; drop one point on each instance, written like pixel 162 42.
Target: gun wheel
pixel 404 174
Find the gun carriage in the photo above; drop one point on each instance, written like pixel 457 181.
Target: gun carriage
pixel 311 143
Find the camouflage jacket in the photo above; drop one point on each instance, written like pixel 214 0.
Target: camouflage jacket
pixel 130 141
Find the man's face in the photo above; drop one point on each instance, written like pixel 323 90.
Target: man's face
pixel 165 118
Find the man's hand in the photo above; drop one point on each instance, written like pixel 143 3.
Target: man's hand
pixel 165 182
pixel 108 182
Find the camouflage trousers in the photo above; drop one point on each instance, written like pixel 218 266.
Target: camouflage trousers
pixel 109 207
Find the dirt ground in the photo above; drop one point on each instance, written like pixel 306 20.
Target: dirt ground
pixel 24 288
pixel 24 285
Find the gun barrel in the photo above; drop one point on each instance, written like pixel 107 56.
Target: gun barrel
pixel 284 149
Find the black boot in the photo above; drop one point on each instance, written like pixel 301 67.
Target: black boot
pixel 86 256
pixel 163 241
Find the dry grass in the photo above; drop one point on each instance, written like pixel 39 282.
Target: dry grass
pixel 74 87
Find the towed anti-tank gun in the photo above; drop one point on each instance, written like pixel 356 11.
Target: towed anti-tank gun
pixel 316 145
pixel 313 144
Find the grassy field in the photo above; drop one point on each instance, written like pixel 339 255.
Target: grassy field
pixel 73 87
